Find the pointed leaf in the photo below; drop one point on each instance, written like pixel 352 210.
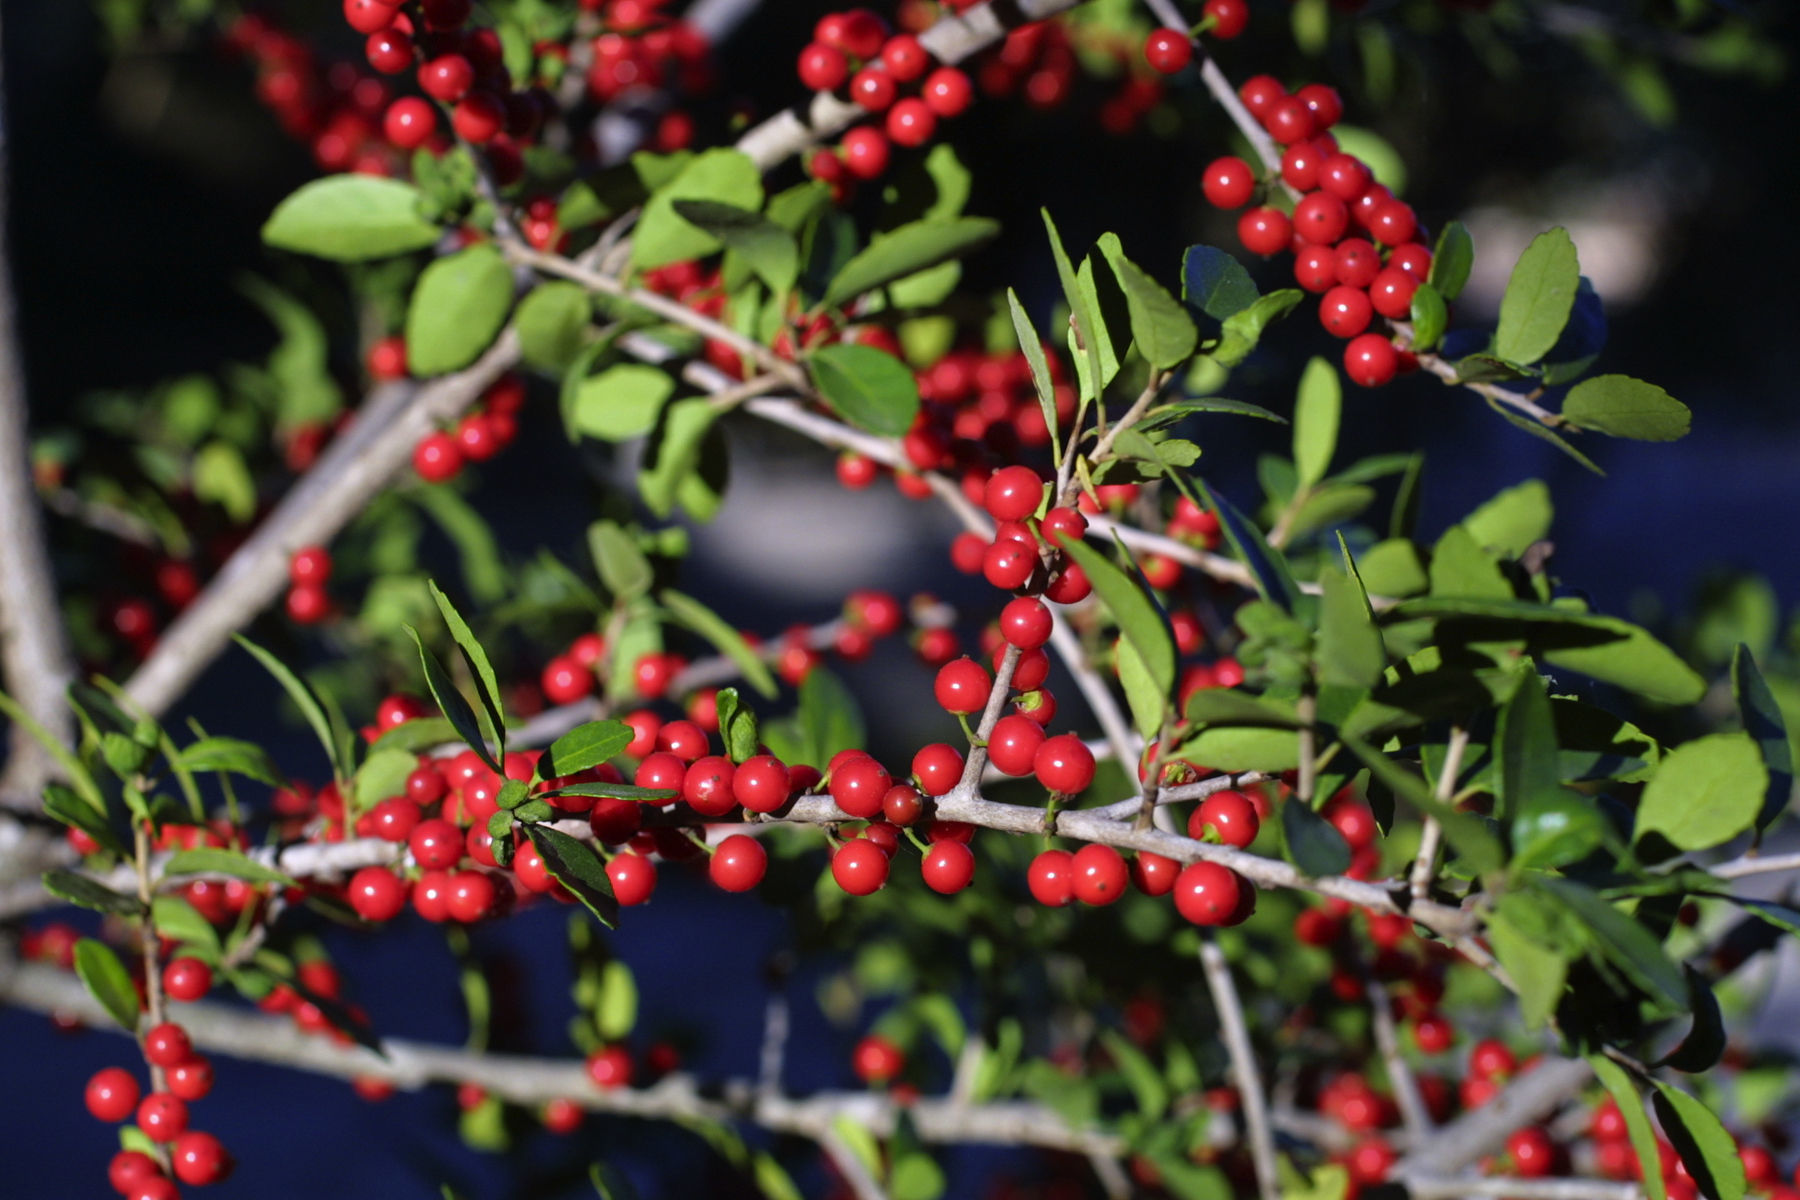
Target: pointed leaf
pixel 350 218
pixel 1429 318
pixel 107 981
pixel 1763 721
pixel 1268 569
pixel 1452 260
pixel 1526 739
pixel 304 698
pixel 578 867
pixel 1704 1044
pixel 1627 408
pixel 1084 319
pixel 1350 648
pixel 487 684
pixel 1140 620
pixel 1623 941
pixel 1215 282
pixel 217 860
pixel 623 568
pixel 1538 298
pixel 830 719
pixel 1033 349
pixel 663 235
pixel 455 708
pixel 1241 331
pixel 1467 834
pixel 1313 843
pixel 89 893
pixel 1317 408
pixel 1707 1150
pixel 869 388
pixel 584 746
pixel 1148 702
pixel 1637 1122
pixel 621 402
pixel 906 251
pixel 715 629
pixel 553 321
pixel 768 249
pixel 1164 333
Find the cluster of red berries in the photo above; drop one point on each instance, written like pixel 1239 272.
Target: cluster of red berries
pixel 309 568
pixel 855 51
pixel 114 1094
pixel 1169 51
pixel 1353 242
pixel 483 432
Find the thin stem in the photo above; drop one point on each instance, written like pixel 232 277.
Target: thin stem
pixel 1425 866
pixel 148 944
pixel 990 716
pixel 862 1182
pixel 1307 710
pixel 1480 1132
pixel 1387 1040
pixel 1252 1098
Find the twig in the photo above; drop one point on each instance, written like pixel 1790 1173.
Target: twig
pixel 1447 372
pixel 1754 864
pixel 1222 91
pixel 1236 1034
pixel 1523 1189
pixel 114 522
pixel 1425 865
pixel 1387 1041
pixel 851 1167
pixel 34 646
pixel 1528 1098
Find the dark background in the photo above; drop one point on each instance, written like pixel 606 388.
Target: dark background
pixel 137 187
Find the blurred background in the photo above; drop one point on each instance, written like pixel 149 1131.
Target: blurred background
pixel 142 166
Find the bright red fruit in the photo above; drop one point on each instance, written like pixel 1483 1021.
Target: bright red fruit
pixel 199 1158
pixel 1168 51
pixel 962 686
pixel 1064 764
pixel 1100 875
pixel 738 863
pixel 876 1059
pixel 1433 1033
pixel 823 68
pixel 1265 231
pixel 1228 182
pixel 1230 17
pixel 1013 744
pixel 163 1117
pixel 761 783
pixel 1207 893
pixel 1229 814
pixel 610 1066
pixel 859 785
pixel 187 979
pixel 938 767
pixel 112 1093
pixel 1371 360
pixel 1051 878
pixel 1013 493
pixel 949 867
pixel 376 894
pixel 859 867
pixel 167 1044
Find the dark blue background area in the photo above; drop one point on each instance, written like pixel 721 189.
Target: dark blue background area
pixel 125 250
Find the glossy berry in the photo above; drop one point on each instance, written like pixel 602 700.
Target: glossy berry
pixel 1152 874
pixel 1357 262
pixel 938 768
pixel 565 680
pixel 948 868
pixel 309 565
pixel 472 896
pixel 1265 231
pixel 1371 360
pixel 1300 165
pixel 1323 101
pixel 905 58
pixel 1207 893
pixel 1393 223
pixel 1345 311
pixel 1392 293
pixel 1100 875
pixel 1228 182
pixel 823 68
pixel 129 1169
pixel 1532 1151
pixel 859 785
pixel 1289 120
pixel 447 77
pixel 1168 51
pixel 910 122
pixel 376 894
pixel 308 604
pixel 866 152
pixel 1433 1033
pixel 738 863
pixel 389 51
pixel 163 1117
pixel 1315 268
pixel 1320 218
pixel 609 1067
pixel 1229 17
pixel 112 1094
pixel 1051 878
pixel 187 979
pixel 1013 493
pixel 1064 764
pixel 902 805
pixel 367 16
pixel 1344 176
pixel 1229 815
pixel 437 458
pixel 436 844
pixel 1008 565
pixel 199 1158
pixel 876 1059
pixel 633 879
pixel 947 91
pixel 1013 745
pixel 1492 1059
pixel 859 867
pixel 962 686
pixel 1259 93
pixel 167 1044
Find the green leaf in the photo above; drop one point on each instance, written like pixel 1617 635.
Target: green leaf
pixel 487 684
pixel 107 981
pixel 221 477
pixel 578 867
pixel 1539 972
pixel 65 805
pixel 382 775
pixel 454 706
pixel 1623 941
pixel 80 778
pixel 610 1183
pixel 1268 569
pixel 1637 1123
pixel 1141 1075
pixel 916 1176
pixel 771 1178
pixel 457 310
pixel 420 733
pixel 1467 834
pixel 1086 332
pixel 1349 648
pixel 1627 408
pixel 304 698
pixel 1033 349
pixel 1228 706
pixel 1704 1044
pixel 1513 519
pixel 715 629
pixel 830 719
pixel 1705 792
pixel 737 725
pixel 230 754
pixel 1543 433
pixel 1330 1181
pixel 1215 282
pixel 663 235
pixel 350 218
pixel 1142 623
pixel 1317 408
pixel 1313 843
pixel 677 455
pixel 1148 702
pixel 1215 404
pixel 88 893
pixel 617 791
pixel 768 249
pixel 859 1141
pixel 175 918
pixel 869 388
pixel 1452 260
pixel 1429 318
pixel 1764 723
pixel 622 402
pixel 906 251
pixel 584 746
pixel 1539 298
pixel 1526 746
pixel 1707 1150
pixel 1243 748
pixel 623 568
pixel 553 323
pixel 1164 333
pixel 616 1008
pixel 217 860
pixel 1241 331
pixel 1554 829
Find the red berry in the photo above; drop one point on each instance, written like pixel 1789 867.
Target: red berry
pixel 1207 893
pixel 1370 1161
pixel 633 878
pixel 1393 223
pixel 1300 165
pixel 1152 874
pixel 865 152
pixel 1013 493
pixel 610 1066
pixel 1320 218
pixel 1259 93
pixel 939 768
pixel 129 1169
pixel 873 89
pixel 1168 51
pixel 823 68
pixel 738 863
pixel 1326 105
pixel 1412 258
pixel 1392 293
pixel 389 51
pixel 193 1079
pixel 949 867
pixel 860 867
pixel 479 118
pixel 447 77
pixel 376 894
pixel 112 1093
pixel 876 1059
pixel 1228 182
pixel 308 604
pixel 947 91
pixel 167 1044
pixel 1100 875
pixel 905 58
pixel 199 1158
pixel 1492 1059
pixel 1433 1033
pixel 436 844
pixel 1064 764
pixel 1370 360
pixel 309 564
pixel 1533 1153
pixel 163 1117
pixel 1230 17
pixel 902 805
pixel 1230 815
pixel 565 680
pixel 761 784
pixel 1357 263
pixel 1013 745
pixel 1052 878
pixel 437 458
pixel 962 686
pixel 859 785
pixel 187 979
pixel 911 122
pixel 1344 176
pixel 1265 231
pixel 1315 268
pixel 367 16
pixel 1288 120
pixel 472 896
pixel 1009 565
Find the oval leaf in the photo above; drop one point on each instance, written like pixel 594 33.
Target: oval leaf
pixel 1138 616
pixel 1317 408
pixel 906 251
pixel 1626 407
pixel 350 218
pixel 766 248
pixel 1215 282
pixel 1164 333
pixel 1706 791
pixel 578 867
pixel 553 322
pixel 457 310
pixel 1452 260
pixel 1538 298
pixel 1706 1148
pixel 869 388
pixel 107 981
pixel 584 746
